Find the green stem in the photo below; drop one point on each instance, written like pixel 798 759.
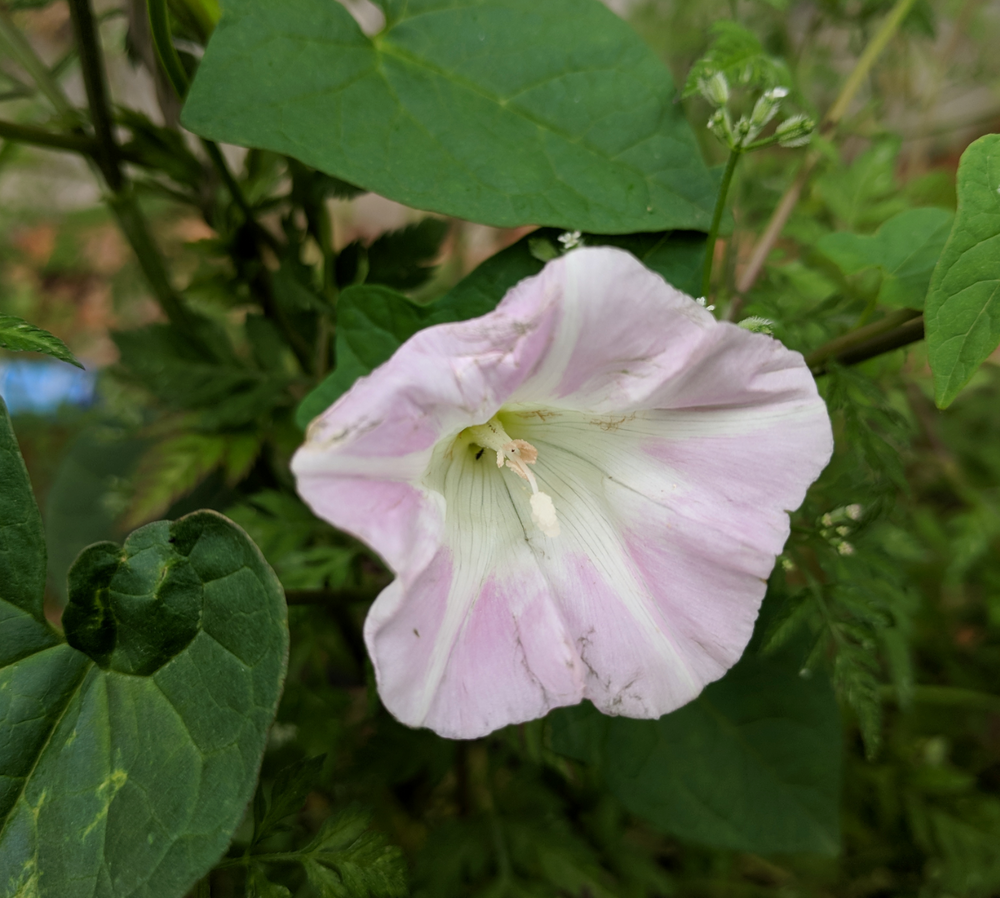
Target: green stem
pixel 133 224
pixel 40 137
pixel 857 345
pixel 19 49
pixel 108 157
pixel 159 25
pixel 92 69
pixel 947 696
pixel 713 232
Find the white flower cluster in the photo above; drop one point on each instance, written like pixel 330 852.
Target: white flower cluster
pixel 795 131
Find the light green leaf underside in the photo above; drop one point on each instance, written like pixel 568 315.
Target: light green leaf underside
pixel 115 784
pixel 753 764
pixel 906 249
pixel 962 315
pixel 19 336
pixel 507 112
pixel 374 321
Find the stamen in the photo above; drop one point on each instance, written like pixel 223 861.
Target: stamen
pixel 517 455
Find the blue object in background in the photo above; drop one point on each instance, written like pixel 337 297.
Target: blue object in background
pixel 41 387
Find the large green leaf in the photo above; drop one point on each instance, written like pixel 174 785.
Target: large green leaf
pixel 374 321
pixel 962 316
pixel 507 112
pixel 906 249
pixel 752 764
pixel 128 752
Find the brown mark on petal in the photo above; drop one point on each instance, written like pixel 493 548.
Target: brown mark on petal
pixel 539 413
pixel 609 423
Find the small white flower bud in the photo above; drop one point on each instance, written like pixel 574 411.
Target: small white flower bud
pixel 765 109
pixel 795 131
pixel 720 125
pixel 715 89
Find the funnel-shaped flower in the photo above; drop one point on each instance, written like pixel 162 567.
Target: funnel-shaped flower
pixel 581 494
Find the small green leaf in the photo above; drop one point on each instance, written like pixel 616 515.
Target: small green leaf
pixel 288 793
pixel 19 336
pixel 737 53
pixel 349 860
pixel 963 305
pixel 507 112
pixel 375 321
pixel 128 755
pixel 402 259
pixel 752 764
pixel 259 886
pixel 906 249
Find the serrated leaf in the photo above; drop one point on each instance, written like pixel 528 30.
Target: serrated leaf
pixel 346 859
pixel 289 791
pixel 19 336
pixel 753 764
pixel 174 467
pixel 259 886
pixel 129 752
pixel 401 259
pixel 963 306
pixel 737 53
pixel 854 676
pixel 374 321
pixel 906 249
pixel 507 113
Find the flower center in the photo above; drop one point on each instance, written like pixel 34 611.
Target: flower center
pixel 517 455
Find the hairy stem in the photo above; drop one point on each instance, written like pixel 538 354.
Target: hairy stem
pixel 713 232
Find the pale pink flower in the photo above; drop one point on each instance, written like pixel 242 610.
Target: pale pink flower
pixel 650 457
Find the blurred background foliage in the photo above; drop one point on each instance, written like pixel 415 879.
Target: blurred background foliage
pixel 891 582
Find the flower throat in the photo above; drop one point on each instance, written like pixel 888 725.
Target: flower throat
pixel 517 455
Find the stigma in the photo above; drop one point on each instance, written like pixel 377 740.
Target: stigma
pixel 517 455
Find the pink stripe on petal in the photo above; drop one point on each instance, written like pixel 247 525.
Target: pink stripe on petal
pixel 506 666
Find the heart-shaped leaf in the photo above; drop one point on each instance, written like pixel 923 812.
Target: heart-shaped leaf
pixel 509 113
pixel 963 305
pixel 129 751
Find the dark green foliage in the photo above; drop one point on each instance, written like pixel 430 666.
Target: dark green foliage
pixel 753 763
pixel 399 259
pixel 130 784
